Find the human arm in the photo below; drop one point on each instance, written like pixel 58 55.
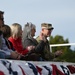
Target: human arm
pixel 32 42
pixel 17 44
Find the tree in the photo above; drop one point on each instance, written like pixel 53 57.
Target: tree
pixel 68 54
pixel 58 39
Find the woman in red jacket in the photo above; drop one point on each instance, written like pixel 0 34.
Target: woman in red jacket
pixel 16 39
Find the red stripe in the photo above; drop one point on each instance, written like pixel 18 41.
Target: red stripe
pixel 1 73
pixel 22 70
pixel 56 70
pixel 39 69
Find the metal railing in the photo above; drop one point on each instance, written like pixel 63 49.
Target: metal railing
pixel 55 45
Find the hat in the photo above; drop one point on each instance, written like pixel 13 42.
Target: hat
pixel 47 26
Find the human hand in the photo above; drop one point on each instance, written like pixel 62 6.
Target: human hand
pixel 31 48
pixel 42 37
pixel 15 55
pixel 58 53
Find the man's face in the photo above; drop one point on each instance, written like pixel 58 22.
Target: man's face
pixel 1 20
pixel 47 32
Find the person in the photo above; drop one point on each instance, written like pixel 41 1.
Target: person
pixel 2 55
pixel 6 34
pixel 28 40
pixel 46 31
pixel 0 38
pixel 16 39
pixel 5 52
pixel 1 18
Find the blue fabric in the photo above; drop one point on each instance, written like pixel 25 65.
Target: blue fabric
pixel 2 55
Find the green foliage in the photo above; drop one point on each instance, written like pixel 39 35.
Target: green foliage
pixel 58 39
pixel 68 54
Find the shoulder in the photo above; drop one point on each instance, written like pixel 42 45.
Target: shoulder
pixel 38 39
pixel 11 39
pixel 27 40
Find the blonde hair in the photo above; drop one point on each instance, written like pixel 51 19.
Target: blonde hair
pixel 15 30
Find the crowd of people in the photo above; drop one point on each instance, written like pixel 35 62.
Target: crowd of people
pixel 19 44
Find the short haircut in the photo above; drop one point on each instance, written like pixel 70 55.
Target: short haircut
pixel 6 31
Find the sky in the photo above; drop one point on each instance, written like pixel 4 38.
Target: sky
pixel 60 13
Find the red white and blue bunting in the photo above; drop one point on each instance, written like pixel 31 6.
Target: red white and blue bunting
pixel 16 67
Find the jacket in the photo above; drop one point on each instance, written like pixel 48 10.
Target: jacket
pixel 17 44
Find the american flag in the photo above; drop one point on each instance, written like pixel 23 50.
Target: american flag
pixel 16 67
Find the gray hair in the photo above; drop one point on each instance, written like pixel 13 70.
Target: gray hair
pixel 27 31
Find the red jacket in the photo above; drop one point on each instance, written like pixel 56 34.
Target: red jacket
pixel 17 44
